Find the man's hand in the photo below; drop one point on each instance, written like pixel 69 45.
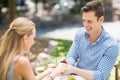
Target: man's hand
pixel 65 61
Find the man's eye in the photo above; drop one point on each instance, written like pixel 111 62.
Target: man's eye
pixel 83 20
pixel 89 21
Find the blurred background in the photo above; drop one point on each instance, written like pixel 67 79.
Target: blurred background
pixel 56 22
pixel 52 12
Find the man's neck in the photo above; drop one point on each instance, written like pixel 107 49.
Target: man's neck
pixel 95 36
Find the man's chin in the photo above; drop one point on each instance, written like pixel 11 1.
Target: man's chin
pixel 88 32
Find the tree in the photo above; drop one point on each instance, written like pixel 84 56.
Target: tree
pixel 0 9
pixel 12 10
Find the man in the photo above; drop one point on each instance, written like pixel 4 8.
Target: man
pixel 93 52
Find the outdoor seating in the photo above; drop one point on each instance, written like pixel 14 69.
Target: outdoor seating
pixel 117 76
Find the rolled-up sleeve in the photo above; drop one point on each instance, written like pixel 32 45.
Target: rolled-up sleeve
pixel 98 57
pixel 72 55
pixel 106 63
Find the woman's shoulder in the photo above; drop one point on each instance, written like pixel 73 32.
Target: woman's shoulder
pixel 22 61
pixel 21 65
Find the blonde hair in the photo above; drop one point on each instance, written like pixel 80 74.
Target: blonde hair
pixel 10 42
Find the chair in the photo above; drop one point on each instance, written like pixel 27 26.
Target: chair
pixel 116 71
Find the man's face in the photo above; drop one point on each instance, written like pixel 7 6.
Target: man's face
pixel 91 22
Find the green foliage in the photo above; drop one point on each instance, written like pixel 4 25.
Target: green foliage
pixel 118 59
pixel 100 1
pixel 77 8
pixel 62 48
pixel 4 3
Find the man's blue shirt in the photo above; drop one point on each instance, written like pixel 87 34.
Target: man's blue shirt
pixel 99 56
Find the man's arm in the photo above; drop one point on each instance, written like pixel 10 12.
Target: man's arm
pixel 72 54
pixel 107 62
pixel 104 67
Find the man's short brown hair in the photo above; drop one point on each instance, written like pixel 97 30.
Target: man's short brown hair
pixel 94 6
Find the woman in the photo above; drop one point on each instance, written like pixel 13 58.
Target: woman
pixel 17 41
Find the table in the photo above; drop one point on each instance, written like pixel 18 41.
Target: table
pixel 66 77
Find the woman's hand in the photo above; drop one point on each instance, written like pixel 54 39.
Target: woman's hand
pixel 49 70
pixel 68 70
pixel 44 74
pixel 59 69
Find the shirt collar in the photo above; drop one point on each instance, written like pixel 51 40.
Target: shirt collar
pixel 99 38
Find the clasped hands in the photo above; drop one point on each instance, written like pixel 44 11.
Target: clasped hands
pixel 64 68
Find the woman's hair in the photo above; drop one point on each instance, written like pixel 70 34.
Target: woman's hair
pixel 10 42
pixel 94 6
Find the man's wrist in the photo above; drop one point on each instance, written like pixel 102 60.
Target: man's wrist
pixel 72 69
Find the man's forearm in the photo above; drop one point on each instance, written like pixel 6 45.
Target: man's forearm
pixel 87 74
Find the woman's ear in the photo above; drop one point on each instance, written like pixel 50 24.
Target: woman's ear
pixel 25 42
pixel 25 38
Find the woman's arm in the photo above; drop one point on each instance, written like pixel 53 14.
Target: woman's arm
pixel 44 74
pixel 24 69
pixel 58 70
